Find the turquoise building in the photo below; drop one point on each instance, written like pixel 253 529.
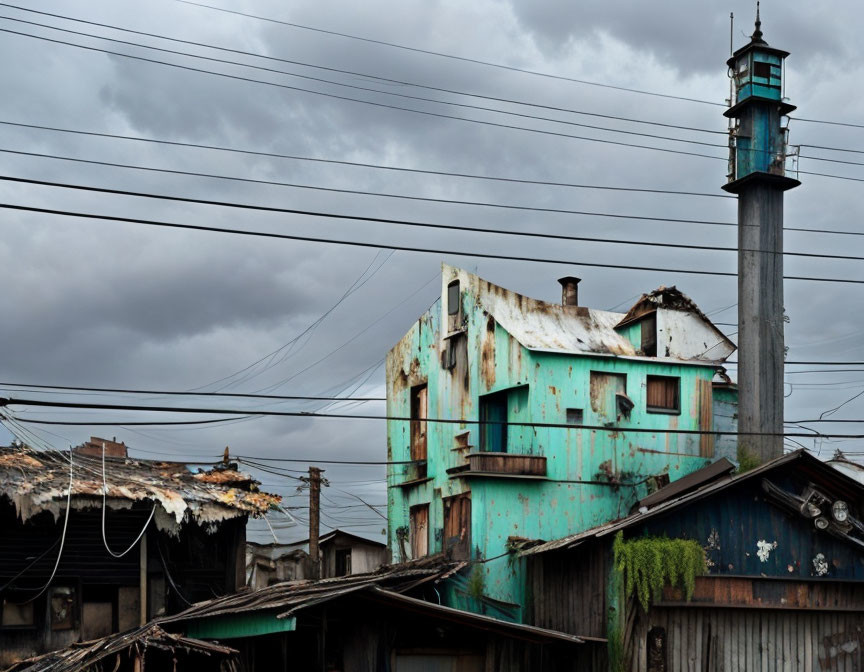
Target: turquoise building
pixel 516 419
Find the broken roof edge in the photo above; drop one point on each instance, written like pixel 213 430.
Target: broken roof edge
pixel 543 326
pixel 667 506
pixel 37 481
pixel 518 630
pixel 83 655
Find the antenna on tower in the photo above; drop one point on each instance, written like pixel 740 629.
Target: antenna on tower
pixel 731 31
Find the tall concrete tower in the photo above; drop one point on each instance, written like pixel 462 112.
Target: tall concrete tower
pixel 757 174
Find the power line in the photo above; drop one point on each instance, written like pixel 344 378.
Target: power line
pixel 491 64
pixel 447 201
pixel 453 57
pixel 394 93
pixel 375 166
pixel 189 394
pixel 359 192
pixel 469 203
pixel 405 248
pixel 244 458
pixel 137 424
pixel 342 71
pixel 823 121
pixel 6 402
pixel 427 113
pixel 247 372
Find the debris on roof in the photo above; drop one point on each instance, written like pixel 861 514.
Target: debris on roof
pixel 289 593
pixel 37 481
pixel 670 298
pixel 89 655
pixel 551 327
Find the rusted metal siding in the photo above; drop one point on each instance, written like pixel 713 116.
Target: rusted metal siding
pixel 734 640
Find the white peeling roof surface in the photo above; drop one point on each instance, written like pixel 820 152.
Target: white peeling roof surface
pixel 552 327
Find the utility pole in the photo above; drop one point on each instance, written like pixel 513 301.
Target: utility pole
pixel 314 520
pixel 757 174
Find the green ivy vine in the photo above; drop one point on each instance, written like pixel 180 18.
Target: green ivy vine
pixel 649 563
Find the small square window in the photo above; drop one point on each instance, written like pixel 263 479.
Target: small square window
pixel 17 614
pixel 761 69
pixel 575 416
pixel 663 394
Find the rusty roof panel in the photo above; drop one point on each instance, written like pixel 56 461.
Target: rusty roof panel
pixel 37 481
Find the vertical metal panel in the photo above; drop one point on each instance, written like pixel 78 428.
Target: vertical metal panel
pixel 739 640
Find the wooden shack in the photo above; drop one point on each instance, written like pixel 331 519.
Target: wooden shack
pixel 784 586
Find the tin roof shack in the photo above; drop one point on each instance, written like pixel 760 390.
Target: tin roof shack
pixel 159 536
pixel 495 359
pixel 342 553
pixel 390 619
pixel 784 586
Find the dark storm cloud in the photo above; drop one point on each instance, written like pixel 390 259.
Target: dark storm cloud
pixel 95 303
pixel 683 35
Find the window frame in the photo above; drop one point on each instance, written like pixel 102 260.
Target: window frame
pixel 663 410
pixel 413 538
pixel 419 427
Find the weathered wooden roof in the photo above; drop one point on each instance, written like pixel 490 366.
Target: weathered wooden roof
pixel 89 655
pixel 36 481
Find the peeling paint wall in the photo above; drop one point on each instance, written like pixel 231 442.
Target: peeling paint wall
pixel 611 464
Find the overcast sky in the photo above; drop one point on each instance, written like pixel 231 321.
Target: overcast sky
pixel 98 303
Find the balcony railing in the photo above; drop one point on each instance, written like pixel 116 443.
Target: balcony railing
pixel 505 464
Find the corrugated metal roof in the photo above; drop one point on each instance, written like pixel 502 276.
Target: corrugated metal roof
pixel 386 585
pixel 37 481
pixel 689 482
pixel 551 327
pixel 293 594
pixel 664 507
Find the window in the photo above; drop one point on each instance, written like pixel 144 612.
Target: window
pixel 419 531
pixel 761 69
pixel 419 408
pixel 15 613
pixel 493 417
pixel 457 526
pixel 649 335
pixel 453 298
pixel 455 352
pixel 605 388
pixel 63 602
pixel 663 394
pixel 343 562
pixel 454 307
pixel 575 416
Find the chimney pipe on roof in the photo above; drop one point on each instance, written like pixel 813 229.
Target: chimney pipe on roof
pixel 569 290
